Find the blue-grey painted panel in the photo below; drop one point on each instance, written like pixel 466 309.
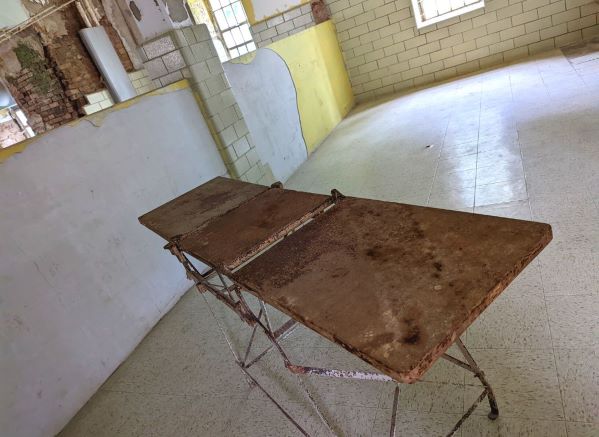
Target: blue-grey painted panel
pixel 107 60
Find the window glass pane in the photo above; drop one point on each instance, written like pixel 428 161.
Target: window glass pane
pixel 215 4
pixel 220 19
pixel 230 16
pixel 242 50
pixel 437 8
pixel 245 32
pixel 225 2
pixel 239 12
pixel 429 8
pixel 237 36
pixel 443 6
pixel 251 47
pixel 220 50
pixel 229 41
pixel 456 4
pixel 234 53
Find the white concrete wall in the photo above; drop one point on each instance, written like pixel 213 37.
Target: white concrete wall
pixel 385 53
pixel 81 281
pixel 266 95
pixel 190 53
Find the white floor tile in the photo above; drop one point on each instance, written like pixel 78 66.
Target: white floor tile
pixel 521 142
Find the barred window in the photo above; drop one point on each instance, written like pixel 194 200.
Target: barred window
pixel 429 12
pixel 233 25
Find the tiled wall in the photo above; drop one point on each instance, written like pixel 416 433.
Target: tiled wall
pixel 280 26
pixel 384 52
pixel 102 99
pixel 190 53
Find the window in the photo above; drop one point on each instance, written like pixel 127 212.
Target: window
pixel 234 27
pixel 429 12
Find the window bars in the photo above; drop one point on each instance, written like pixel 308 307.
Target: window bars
pixel 233 25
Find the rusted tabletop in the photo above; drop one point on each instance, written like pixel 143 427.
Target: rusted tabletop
pixel 394 284
pixel 227 240
pixel 196 207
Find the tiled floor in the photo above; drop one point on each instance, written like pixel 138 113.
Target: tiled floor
pixel 519 141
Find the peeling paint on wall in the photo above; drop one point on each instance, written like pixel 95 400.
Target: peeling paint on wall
pixel 177 11
pixel 266 95
pixel 323 89
pixel 9 64
pixel 49 28
pixel 115 16
pixel 52 90
pixel 135 10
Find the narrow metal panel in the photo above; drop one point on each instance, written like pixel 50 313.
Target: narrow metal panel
pixel 106 59
pixel 5 97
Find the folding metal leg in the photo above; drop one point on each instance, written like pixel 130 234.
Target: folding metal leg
pixel 394 413
pixel 232 297
pixel 251 379
pixel 471 366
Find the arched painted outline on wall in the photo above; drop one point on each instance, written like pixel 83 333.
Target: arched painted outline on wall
pixel 266 93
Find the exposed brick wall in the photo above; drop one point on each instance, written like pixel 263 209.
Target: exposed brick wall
pixel 118 45
pixel 70 67
pixel 384 51
pixel 45 107
pixel 71 61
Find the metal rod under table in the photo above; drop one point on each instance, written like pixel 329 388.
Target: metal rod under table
pixel 232 296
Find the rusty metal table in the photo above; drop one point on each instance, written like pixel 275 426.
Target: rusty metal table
pixel 394 284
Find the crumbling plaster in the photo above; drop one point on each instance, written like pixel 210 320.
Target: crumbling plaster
pixel 67 64
pixel 116 17
pixel 177 12
pixel 9 64
pixel 48 28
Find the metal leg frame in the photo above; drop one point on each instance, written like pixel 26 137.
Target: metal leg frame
pixel 231 295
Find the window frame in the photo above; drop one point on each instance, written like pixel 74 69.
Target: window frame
pixel 221 31
pixel 420 23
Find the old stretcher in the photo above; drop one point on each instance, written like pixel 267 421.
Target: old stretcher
pixel 394 284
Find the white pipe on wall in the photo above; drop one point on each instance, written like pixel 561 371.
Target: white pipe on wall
pixel 107 60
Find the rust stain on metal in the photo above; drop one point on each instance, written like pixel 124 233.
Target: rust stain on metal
pixel 394 284
pixel 227 241
pixel 198 206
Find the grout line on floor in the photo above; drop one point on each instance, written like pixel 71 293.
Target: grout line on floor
pixel 540 273
pixel 430 191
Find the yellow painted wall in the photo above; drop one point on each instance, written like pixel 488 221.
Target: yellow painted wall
pixel 324 94
pixel 260 10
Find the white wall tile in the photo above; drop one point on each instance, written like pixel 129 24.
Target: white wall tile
pixel 384 51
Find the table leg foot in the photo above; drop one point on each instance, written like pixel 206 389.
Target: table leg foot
pixel 493 414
